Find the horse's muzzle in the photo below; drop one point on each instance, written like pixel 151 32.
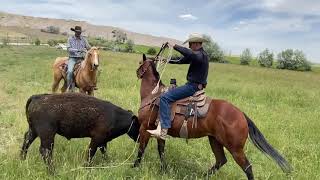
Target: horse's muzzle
pixel 95 66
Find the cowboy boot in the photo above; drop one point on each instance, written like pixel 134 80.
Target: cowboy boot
pixel 159 132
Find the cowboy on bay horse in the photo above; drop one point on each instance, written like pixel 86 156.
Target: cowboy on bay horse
pixel 77 47
pixel 196 80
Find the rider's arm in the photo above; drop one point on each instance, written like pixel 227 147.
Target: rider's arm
pixel 180 60
pixel 183 50
pixel 87 44
pixel 186 55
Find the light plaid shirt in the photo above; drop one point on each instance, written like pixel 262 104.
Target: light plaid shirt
pixel 77 44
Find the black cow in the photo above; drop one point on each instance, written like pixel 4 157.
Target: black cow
pixel 75 115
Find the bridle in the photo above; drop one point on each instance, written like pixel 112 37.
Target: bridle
pixel 163 47
pixel 140 75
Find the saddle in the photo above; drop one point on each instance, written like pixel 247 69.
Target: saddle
pixel 64 68
pixel 192 108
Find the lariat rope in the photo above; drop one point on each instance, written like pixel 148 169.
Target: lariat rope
pixel 162 62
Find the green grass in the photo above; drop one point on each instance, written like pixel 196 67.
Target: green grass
pixel 283 104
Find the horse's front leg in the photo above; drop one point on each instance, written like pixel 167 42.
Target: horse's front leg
pixel 90 92
pixel 143 142
pixel 82 90
pixel 161 145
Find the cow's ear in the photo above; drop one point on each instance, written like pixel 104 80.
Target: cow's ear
pixel 144 57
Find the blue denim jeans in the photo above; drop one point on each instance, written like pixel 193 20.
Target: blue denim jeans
pixel 72 61
pixel 171 96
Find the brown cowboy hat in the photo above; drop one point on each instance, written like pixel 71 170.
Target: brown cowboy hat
pixel 77 29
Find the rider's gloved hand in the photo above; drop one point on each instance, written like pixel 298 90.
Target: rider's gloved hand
pixel 170 45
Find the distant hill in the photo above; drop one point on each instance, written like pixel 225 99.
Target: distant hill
pixel 19 25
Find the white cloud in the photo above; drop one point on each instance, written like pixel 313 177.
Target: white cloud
pixel 188 17
pixel 235 25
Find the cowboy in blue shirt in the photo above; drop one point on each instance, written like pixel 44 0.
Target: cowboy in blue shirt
pixel 77 48
pixel 196 80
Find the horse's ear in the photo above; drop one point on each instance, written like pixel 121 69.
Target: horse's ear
pixel 144 57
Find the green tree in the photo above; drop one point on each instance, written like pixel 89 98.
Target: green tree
pixel 293 60
pixel 265 58
pixel 120 36
pixel 245 57
pixel 213 50
pixel 152 51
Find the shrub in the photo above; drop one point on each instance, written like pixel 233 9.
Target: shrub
pixel 129 46
pixel 52 42
pixel 213 50
pixel 265 58
pixel 152 51
pixel 5 42
pixel 37 42
pixel 245 57
pixel 293 60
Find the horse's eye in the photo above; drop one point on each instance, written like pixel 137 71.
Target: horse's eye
pixel 140 62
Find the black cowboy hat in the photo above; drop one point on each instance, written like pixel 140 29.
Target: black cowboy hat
pixel 76 29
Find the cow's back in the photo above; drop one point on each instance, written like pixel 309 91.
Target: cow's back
pixel 71 115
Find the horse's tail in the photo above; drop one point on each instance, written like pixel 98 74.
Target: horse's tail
pixel 262 144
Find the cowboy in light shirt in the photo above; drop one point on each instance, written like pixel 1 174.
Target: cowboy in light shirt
pixel 77 48
pixel 196 77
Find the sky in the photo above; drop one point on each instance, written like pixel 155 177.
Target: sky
pixel 233 24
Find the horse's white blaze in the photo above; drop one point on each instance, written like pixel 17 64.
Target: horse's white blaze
pixel 96 59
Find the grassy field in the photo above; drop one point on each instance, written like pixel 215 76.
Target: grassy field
pixel 283 104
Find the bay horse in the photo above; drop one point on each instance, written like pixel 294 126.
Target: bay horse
pixel 86 76
pixel 225 126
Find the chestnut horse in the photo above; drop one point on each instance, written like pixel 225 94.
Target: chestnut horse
pixel 225 126
pixel 86 77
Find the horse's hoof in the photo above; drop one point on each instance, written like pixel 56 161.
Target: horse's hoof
pixel 209 172
pixel 23 156
pixel 87 164
pixel 51 171
pixel 136 164
pixel 163 167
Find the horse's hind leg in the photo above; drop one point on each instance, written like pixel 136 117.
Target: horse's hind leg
pixel 56 80
pixel 29 137
pixel 243 162
pixel 64 87
pixel 217 149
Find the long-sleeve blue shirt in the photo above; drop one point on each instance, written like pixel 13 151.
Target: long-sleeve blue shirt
pixel 199 64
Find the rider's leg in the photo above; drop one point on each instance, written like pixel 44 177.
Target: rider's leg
pixel 71 63
pixel 165 107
